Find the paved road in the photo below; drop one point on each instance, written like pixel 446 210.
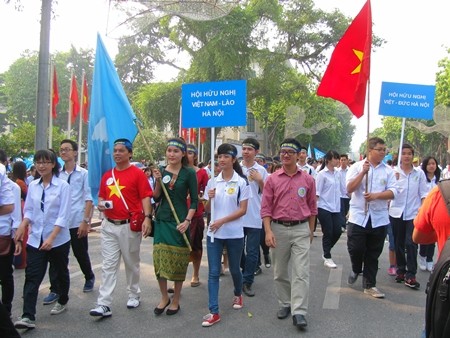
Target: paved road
pixel 336 310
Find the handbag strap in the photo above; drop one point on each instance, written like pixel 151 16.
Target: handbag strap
pixel 118 189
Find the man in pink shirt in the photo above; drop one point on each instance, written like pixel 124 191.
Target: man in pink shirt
pixel 289 210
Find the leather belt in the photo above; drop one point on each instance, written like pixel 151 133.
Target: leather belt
pixel 289 223
pixel 118 221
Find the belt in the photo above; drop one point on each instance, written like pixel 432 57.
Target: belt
pixel 118 221
pixel 289 223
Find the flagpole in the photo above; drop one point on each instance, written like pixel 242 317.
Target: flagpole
pixel 80 128
pixel 366 209
pixel 402 135
pixel 69 116
pixel 213 168
pixel 50 120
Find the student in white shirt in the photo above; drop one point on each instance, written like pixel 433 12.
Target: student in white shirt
pixel 229 192
pixel 46 212
pixel 328 192
pixel 412 190
pixel 432 173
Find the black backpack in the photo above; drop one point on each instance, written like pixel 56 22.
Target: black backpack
pixel 437 311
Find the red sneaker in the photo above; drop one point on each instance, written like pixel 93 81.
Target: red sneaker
pixel 238 302
pixel 210 319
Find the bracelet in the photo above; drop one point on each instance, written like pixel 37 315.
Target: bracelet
pixel 189 220
pixel 19 241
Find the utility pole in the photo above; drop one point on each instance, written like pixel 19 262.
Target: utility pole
pixel 43 89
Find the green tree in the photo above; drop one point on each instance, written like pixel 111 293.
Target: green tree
pixel 20 142
pixel 443 82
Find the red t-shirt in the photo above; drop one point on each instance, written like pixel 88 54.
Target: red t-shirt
pixel 133 185
pixel 433 215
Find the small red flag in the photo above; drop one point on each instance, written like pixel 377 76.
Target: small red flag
pixel 85 103
pixel 192 135
pixel 184 134
pixel 55 94
pixel 203 135
pixel 74 98
pixel 346 76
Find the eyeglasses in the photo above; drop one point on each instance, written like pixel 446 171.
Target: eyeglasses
pixel 65 150
pixel 287 152
pixel 383 150
pixel 42 163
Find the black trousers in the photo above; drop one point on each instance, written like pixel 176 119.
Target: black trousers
pixel 7 279
pixel 7 328
pixel 331 223
pixel 80 251
pixel 364 247
pixel 403 240
pixel 37 261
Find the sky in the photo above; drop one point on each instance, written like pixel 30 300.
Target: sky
pixel 416 31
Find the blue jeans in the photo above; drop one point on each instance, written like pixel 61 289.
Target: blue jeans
pixel 250 255
pixel 234 250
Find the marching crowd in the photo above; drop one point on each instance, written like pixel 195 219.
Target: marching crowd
pixel 250 205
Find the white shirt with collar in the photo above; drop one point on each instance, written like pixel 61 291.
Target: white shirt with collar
pixel 381 178
pixel 412 188
pixel 56 211
pixel 228 197
pixel 11 221
pixel 252 219
pixel 343 173
pixel 328 189
pixel 309 169
pixel 80 193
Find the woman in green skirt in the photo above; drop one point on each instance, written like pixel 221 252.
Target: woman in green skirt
pixel 170 251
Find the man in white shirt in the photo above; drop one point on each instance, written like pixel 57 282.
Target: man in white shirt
pixel 309 169
pixel 252 222
pixel 366 229
pixel 345 198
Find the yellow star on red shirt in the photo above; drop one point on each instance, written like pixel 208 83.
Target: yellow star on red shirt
pixel 115 189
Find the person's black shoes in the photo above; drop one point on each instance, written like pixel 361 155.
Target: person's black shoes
pixel 283 312
pixel 299 321
pixel 247 289
pixel 352 278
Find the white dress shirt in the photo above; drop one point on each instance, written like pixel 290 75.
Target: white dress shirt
pixel 412 188
pixel 11 221
pixel 80 191
pixel 56 211
pixel 381 178
pixel 329 190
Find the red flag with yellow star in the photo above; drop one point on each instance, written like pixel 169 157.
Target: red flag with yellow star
pixel 346 76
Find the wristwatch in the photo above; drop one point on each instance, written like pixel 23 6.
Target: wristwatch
pixel 149 216
pixel 87 220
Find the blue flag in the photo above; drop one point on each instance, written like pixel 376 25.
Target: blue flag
pixel 319 154
pixel 309 150
pixel 111 117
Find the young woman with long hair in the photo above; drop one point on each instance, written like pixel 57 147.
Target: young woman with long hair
pixel 170 252
pixel 229 192
pixel 432 173
pixel 329 191
pixel 46 209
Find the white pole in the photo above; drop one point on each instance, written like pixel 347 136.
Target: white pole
pixel 213 141
pixel 401 143
pixel 50 119
pixel 80 128
pixel 69 117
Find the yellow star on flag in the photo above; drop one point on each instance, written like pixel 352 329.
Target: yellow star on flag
pixel 359 55
pixel 113 189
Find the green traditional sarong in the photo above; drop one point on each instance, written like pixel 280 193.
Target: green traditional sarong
pixel 170 253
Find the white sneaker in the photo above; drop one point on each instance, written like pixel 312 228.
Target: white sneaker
pixel 24 323
pixel 328 262
pixel 430 266
pixel 57 309
pixel 133 302
pixel 374 292
pixel 101 311
pixel 422 263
